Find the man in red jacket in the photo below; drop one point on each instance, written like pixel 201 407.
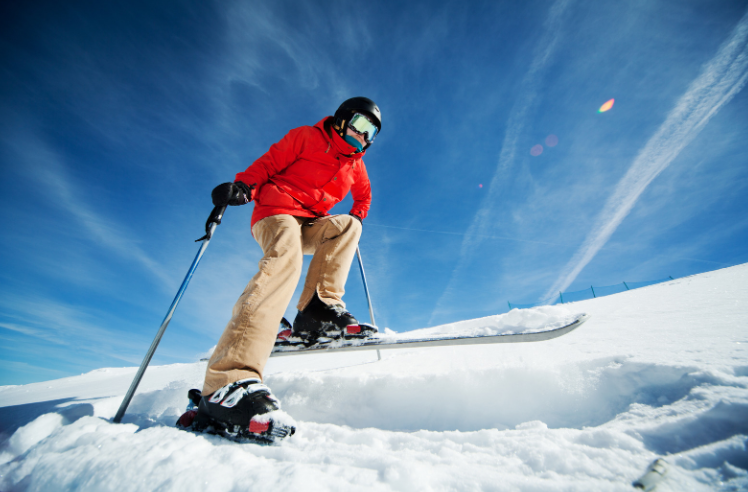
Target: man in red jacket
pixel 293 185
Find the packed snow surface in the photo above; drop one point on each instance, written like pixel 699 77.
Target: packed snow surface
pixel 660 371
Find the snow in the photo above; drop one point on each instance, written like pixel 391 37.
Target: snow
pixel 660 371
pixel 514 322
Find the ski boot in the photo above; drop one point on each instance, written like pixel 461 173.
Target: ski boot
pixel 185 421
pixel 321 323
pixel 286 336
pixel 242 411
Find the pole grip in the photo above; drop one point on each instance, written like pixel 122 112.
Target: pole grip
pixel 214 219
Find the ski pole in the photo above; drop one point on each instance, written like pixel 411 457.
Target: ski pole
pixel 210 226
pixel 368 296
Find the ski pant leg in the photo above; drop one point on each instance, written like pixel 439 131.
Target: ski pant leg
pixel 249 337
pixel 332 240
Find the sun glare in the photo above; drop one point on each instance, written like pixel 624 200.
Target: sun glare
pixel 606 106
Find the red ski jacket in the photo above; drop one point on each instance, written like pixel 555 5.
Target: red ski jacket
pixel 305 174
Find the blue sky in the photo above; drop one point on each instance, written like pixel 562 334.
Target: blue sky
pixel 118 118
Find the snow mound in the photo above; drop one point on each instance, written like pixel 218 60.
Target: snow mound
pixel 661 371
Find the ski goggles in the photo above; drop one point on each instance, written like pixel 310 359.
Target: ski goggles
pixel 363 126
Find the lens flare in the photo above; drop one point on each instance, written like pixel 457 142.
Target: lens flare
pixel 606 106
pixel 536 150
pixel 551 140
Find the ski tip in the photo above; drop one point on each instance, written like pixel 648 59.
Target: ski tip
pixel 580 319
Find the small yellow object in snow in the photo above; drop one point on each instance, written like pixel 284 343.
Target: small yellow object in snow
pixel 655 471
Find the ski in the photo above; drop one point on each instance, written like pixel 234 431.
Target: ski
pixel 402 340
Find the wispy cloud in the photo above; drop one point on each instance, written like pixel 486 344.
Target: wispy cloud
pixel 38 159
pixel 36 333
pixel 67 325
pixel 482 236
pixel 720 79
pixel 520 114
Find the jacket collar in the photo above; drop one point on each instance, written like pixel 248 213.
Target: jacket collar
pixel 341 146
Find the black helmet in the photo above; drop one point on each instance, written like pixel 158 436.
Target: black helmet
pixel 354 105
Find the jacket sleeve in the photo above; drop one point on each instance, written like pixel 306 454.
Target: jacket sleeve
pixel 280 156
pixel 361 192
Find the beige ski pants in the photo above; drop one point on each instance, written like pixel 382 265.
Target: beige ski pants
pixel 249 337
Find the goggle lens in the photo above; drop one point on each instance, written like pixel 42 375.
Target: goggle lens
pixel 363 126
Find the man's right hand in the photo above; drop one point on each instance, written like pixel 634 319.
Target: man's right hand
pixel 232 194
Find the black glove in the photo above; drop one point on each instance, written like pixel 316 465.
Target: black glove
pixel 357 218
pixel 232 194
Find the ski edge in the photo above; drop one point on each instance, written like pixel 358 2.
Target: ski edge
pixel 446 341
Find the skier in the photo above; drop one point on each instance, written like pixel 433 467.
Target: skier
pixel 293 185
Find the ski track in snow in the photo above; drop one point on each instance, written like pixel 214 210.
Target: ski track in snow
pixel 657 371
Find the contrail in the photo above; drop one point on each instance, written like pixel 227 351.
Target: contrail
pixel 720 79
pixel 503 238
pixel 527 101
